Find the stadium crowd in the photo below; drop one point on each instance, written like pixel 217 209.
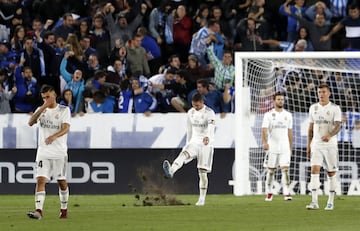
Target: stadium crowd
pixel 143 56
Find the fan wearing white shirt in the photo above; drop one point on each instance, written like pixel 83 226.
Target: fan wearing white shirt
pixel 277 139
pixel 322 148
pixel 199 144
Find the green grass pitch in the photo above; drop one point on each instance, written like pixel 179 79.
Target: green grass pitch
pixel 221 212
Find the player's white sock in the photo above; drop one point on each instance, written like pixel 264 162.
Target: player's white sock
pixel 314 186
pixel 332 188
pixel 178 162
pixel 64 198
pixel 269 180
pixel 285 180
pixel 203 184
pixel 40 199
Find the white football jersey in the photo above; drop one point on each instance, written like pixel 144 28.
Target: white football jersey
pixel 50 122
pixel 278 125
pixel 200 124
pixel 324 118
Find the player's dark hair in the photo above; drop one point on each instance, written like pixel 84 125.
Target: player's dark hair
pixel 46 88
pixel 277 94
pixel 197 97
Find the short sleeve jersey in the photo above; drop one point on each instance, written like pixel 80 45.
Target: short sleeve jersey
pixel 199 123
pixel 278 125
pixel 324 118
pixel 50 122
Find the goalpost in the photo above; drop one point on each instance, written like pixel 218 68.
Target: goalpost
pixel 258 76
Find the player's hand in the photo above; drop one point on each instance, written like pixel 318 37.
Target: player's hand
pixel 326 138
pixel 206 140
pixel 266 146
pixel 50 139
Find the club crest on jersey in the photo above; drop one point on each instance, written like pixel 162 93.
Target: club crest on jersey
pixel 57 116
pixel 273 115
pixel 328 113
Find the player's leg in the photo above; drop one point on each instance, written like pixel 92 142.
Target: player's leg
pixel 270 175
pixel 42 176
pixel 331 167
pixel 59 170
pixel 204 165
pixel 314 186
pixel 184 157
pixel 203 185
pixel 315 162
pixel 285 176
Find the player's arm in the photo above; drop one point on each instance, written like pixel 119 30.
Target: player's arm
pixel 264 138
pixel 188 129
pixel 64 129
pixel 336 129
pixel 290 137
pixel 211 129
pixel 310 137
pixel 33 119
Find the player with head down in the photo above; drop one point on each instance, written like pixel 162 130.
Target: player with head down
pixel 199 144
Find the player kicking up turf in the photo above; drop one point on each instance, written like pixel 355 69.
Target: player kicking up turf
pixel 199 144
pixel 277 139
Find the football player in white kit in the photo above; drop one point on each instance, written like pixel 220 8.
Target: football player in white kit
pixel 322 148
pixel 199 144
pixel 277 139
pixel 51 156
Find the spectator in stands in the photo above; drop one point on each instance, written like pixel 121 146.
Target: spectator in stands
pixel 181 29
pixel 119 53
pixel 100 103
pixel 93 66
pixel 304 34
pixel 318 8
pixel 83 29
pixel 195 71
pixel 317 30
pixel 67 100
pixel 85 42
pixel 248 37
pixel 224 69
pixel 125 101
pixel 72 44
pixel 144 102
pixel 115 76
pixel 200 41
pixel 157 20
pixel 26 98
pixel 173 63
pixel 34 58
pixel 66 28
pixel 213 98
pixel 7 90
pixel 136 57
pixel 351 24
pixel 182 88
pixel 100 38
pixel 293 26
pixel 8 58
pixel 120 28
pixel 202 16
pixel 217 15
pixel 74 82
pixel 17 40
pixel 235 11
pixel 162 86
pixel 153 52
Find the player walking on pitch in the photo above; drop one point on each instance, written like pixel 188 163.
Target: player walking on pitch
pixel 51 156
pixel 199 144
pixel 277 139
pixel 322 148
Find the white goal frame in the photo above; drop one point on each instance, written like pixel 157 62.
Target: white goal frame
pixel 241 182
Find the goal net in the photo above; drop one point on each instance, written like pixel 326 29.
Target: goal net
pixel 258 76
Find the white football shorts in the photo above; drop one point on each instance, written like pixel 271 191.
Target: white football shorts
pixel 52 168
pixel 327 157
pixel 273 160
pixel 203 153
